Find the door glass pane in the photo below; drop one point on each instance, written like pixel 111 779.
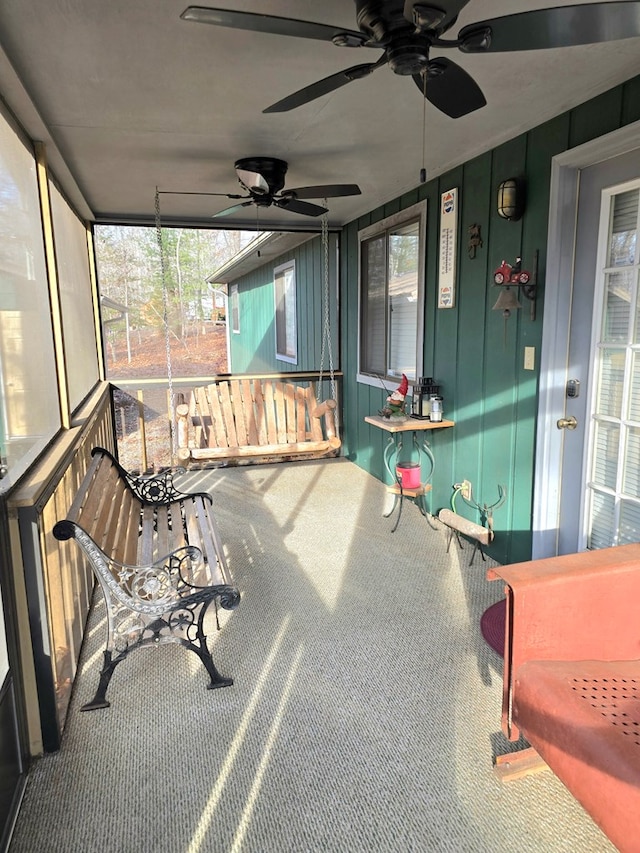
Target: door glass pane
pixel 629 523
pixel 631 471
pixel 611 383
pixel 602 521
pixel 634 402
pixel 605 456
pixel 624 229
pixel 617 307
pixel 614 517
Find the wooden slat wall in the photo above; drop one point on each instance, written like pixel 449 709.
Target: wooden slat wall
pixel 253 349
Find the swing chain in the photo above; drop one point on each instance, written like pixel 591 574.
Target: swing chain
pixel 326 331
pixel 165 319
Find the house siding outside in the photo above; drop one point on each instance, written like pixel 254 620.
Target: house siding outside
pixel 253 349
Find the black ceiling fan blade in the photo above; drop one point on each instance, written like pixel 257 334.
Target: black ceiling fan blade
pixel 450 89
pixel 272 24
pixel 295 206
pixel 323 87
pixel 229 210
pixel 564 26
pixel 323 191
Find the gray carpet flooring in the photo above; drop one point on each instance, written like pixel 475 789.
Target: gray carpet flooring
pixel 364 716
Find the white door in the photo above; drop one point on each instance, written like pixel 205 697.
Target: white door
pixel 598 407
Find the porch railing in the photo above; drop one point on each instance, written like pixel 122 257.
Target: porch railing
pixel 142 413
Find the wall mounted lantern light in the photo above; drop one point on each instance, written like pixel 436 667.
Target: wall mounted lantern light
pixel 511 199
pixel 510 279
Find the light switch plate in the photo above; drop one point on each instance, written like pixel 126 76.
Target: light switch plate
pixel 529 358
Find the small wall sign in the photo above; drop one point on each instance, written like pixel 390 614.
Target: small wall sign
pixel 448 243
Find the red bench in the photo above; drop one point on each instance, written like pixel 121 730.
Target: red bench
pixel 572 677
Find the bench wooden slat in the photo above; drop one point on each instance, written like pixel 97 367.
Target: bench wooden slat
pixel 298 448
pixel 239 415
pixel 261 417
pixel 102 484
pixel 301 414
pixel 109 536
pixel 227 414
pixel 207 544
pixel 162 533
pixel 131 528
pixel 217 433
pixel 249 409
pixel 145 554
pixel 219 571
pixel 76 506
pixel 281 415
pixel 270 413
pixel 289 392
pixel 314 422
pixel 199 410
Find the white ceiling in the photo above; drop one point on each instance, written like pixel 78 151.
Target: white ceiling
pixel 132 98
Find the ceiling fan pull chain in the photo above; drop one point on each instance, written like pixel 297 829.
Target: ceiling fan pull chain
pixel 423 170
pixel 326 333
pixel 165 320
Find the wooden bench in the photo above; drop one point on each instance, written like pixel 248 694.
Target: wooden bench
pixel 255 420
pixel 156 553
pixel 572 678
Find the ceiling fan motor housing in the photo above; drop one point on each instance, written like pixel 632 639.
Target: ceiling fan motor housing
pixel 270 169
pixel 407 57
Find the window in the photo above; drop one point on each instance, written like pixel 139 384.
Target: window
pixel 74 281
pixel 286 324
pixel 29 402
pixel 235 309
pixel 392 262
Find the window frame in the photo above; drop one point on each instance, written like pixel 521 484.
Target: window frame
pixel 290 310
pixel 416 212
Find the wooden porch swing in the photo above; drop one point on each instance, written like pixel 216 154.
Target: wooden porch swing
pixel 262 418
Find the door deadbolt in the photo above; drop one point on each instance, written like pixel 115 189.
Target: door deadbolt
pixel 567 423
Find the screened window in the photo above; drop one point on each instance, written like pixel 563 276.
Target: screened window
pixel 74 281
pixel 392 255
pixel 235 308
pixel 29 403
pixel 286 323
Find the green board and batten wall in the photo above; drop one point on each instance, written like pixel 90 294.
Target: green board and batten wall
pixel 475 356
pixel 253 349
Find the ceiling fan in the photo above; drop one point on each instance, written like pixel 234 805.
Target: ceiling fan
pixel 407 30
pixel 263 179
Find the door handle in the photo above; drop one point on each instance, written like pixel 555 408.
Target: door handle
pixel 567 423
